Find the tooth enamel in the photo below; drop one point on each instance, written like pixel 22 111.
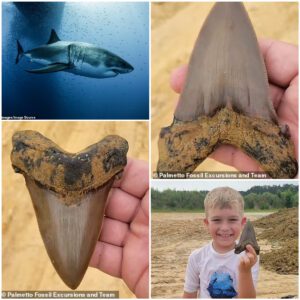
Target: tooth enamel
pixel 69 195
pixel 225 101
pixel 247 238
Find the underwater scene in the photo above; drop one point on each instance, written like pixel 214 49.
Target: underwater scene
pixel 83 60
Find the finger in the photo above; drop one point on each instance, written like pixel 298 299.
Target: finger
pixel 281 61
pixel 136 259
pixel 246 261
pixel 250 249
pixel 145 205
pixel 178 78
pixel 135 179
pixel 242 261
pixel 107 258
pixel 275 95
pixel 232 156
pixel 121 205
pixel 114 232
pixel 251 258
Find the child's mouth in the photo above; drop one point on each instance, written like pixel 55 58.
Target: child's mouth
pixel 225 236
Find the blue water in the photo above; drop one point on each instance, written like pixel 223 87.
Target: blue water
pixel 121 28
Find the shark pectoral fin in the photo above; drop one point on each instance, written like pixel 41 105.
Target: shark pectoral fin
pixel 50 68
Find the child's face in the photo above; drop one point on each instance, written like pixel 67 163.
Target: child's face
pixel 224 226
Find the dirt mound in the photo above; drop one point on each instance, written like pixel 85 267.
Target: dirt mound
pixel 280 226
pixel 283 260
pixel 281 231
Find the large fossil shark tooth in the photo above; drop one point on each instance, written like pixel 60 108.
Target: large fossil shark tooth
pixel 69 193
pixel 225 101
pixel 247 238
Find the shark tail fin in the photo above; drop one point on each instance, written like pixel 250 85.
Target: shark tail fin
pixel 20 52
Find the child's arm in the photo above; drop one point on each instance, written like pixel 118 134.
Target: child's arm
pixel 246 287
pixel 189 295
pixel 192 282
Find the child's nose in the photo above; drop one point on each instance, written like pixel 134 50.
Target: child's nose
pixel 224 225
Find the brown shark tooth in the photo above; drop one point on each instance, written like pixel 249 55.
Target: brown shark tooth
pixel 69 193
pixel 225 101
pixel 247 238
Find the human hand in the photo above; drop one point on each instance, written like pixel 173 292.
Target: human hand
pixel 281 60
pixel 247 261
pixel 123 247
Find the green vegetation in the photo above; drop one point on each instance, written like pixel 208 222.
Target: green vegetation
pixel 267 198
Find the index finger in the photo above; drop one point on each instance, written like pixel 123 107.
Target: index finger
pixel 135 178
pixel 281 60
pixel 251 250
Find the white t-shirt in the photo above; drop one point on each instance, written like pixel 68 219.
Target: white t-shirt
pixel 214 274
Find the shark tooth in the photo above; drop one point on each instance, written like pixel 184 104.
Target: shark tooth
pixel 247 238
pixel 69 194
pixel 225 101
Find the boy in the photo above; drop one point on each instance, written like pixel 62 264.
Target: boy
pixel 215 270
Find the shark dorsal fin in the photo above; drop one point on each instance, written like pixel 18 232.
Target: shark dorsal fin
pixel 53 37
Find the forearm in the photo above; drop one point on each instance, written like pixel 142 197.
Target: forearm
pixel 189 295
pixel 246 287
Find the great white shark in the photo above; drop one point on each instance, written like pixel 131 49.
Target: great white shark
pixel 75 57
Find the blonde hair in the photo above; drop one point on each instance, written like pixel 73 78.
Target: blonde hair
pixel 223 197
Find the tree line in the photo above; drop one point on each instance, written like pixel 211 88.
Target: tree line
pixel 257 197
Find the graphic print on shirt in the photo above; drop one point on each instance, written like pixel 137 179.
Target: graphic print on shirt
pixel 221 284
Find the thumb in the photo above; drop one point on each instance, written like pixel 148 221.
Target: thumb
pixel 178 77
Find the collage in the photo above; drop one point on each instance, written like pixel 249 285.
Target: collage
pixel 150 149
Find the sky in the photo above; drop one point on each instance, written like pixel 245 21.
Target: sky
pixel 208 185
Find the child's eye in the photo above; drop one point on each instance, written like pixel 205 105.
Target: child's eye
pixel 216 220
pixel 233 220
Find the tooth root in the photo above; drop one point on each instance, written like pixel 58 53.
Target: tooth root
pixel 184 145
pixel 225 101
pixel 70 232
pixel 247 238
pixel 69 194
pixel 66 173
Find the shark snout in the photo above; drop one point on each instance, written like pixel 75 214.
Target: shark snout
pixel 119 66
pixel 123 68
pixel 128 69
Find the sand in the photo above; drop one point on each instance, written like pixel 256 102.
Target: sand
pixel 175 27
pixel 176 235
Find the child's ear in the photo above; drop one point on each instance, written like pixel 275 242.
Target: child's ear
pixel 244 220
pixel 205 221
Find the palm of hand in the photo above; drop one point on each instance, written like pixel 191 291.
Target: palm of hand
pixel 122 249
pixel 134 268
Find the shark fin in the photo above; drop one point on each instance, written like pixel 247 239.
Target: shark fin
pixel 53 37
pixel 50 68
pixel 20 52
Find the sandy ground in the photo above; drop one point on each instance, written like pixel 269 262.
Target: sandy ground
pixel 25 263
pixel 176 235
pixel 175 27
